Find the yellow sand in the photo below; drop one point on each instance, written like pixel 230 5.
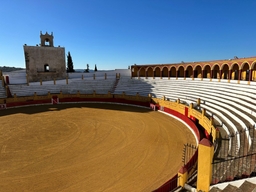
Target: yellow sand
pixel 88 147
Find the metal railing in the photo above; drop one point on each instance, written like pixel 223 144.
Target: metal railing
pixel 237 163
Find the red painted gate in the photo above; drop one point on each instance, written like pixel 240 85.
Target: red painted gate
pixel 55 99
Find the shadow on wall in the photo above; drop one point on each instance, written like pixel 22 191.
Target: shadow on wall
pixel 133 86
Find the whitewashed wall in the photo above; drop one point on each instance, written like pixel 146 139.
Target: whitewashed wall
pixel 101 74
pixel 19 77
pixel 16 77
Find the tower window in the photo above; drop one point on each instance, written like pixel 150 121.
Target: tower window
pixel 46 68
pixel 47 42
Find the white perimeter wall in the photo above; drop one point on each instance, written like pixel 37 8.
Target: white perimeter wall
pixel 19 77
pixel 101 74
pixel 16 77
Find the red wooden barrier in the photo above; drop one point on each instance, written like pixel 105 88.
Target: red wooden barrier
pixel 172 183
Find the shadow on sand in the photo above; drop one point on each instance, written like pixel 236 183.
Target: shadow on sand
pixel 59 107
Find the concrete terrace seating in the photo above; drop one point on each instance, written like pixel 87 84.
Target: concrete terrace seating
pixel 132 87
pixel 210 95
pixel 16 77
pixel 244 186
pixel 233 104
pixel 84 86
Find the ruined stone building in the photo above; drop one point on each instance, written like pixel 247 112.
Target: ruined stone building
pixel 44 61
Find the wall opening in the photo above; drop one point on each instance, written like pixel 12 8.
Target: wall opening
pixel 46 68
pixel 247 75
pixel 47 42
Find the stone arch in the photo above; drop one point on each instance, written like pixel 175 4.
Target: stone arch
pixel 150 72
pixel 216 71
pixel 157 72
pixel 198 72
pixel 235 71
pixel 47 42
pixel 245 72
pixel 253 68
pixel 142 72
pixel 173 72
pixel 207 71
pixel 225 71
pixel 180 71
pixel 165 72
pixel 46 68
pixel 189 71
pixel 135 71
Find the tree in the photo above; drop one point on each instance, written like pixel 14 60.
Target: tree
pixel 95 69
pixel 87 70
pixel 70 67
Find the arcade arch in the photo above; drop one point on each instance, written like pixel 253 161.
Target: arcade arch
pixel 150 72
pixel 245 72
pixel 235 72
pixel 180 71
pixel 216 72
pixel 173 72
pixel 165 72
pixel 198 72
pixel 157 72
pixel 189 71
pixel 253 68
pixel 225 72
pixel 135 71
pixel 142 72
pixel 207 71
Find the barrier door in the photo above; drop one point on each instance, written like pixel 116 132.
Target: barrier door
pixel 186 111
pixel 55 99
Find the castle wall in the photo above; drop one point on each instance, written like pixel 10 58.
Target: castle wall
pixel 37 57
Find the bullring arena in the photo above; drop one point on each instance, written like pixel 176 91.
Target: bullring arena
pixel 75 131
pixel 89 147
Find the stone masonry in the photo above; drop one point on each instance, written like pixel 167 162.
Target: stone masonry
pixel 45 62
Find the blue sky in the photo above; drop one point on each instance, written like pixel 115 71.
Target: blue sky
pixel 117 33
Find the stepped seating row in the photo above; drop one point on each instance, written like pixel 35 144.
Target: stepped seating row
pixel 239 125
pixel 231 105
pixel 73 86
pixel 2 90
pixel 236 187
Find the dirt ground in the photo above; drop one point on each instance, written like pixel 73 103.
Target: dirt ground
pixel 88 147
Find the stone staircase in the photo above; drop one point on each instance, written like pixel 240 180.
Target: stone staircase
pixel 114 86
pixel 2 90
pixel 236 186
pixel 248 185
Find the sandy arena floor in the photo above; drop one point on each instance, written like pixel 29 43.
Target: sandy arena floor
pixel 88 147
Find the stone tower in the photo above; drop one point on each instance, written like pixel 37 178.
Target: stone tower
pixel 45 62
